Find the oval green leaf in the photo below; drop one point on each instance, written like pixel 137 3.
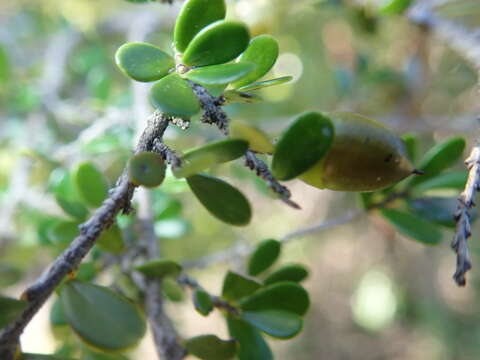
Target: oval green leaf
pixel 263 52
pixel 264 84
pixel 221 199
pixel 91 185
pixel 193 17
pixel 277 323
pixel 292 272
pixel 287 296
pixel 143 62
pixel 413 226
pixel 172 290
pixel 204 157
pixel 147 169
pixel 202 302
pixel 220 74
pixel 217 43
pixel 101 317
pixel 159 268
pixel 57 316
pixel 252 344
pixel 10 310
pixel 439 210
pixel 302 145
pixel 438 158
pixel 63 233
pixel 236 286
pixel 211 347
pixel 72 207
pixel 111 240
pixel 264 255
pixel 450 180
pixel 257 140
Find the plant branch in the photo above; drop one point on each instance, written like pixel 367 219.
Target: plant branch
pixel 462 216
pixel 118 201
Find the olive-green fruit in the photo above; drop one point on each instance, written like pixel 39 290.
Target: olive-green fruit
pixel 217 43
pixel 143 61
pixel 174 96
pixel 263 52
pixel 147 169
pixel 193 17
pixel 365 156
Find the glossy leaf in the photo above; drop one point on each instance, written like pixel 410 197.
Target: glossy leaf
pixel 143 62
pixel 413 226
pixel 439 210
pixel 252 344
pixel 111 240
pixel 10 309
pixel 147 169
pixel 257 139
pixel 210 347
pixel 101 317
pixel 264 84
pixel 236 286
pixel 449 180
pixel 204 157
pixel 72 207
pixel 217 43
pixel 202 302
pixel 221 199
pixel 302 145
pixel 159 268
pixel 264 255
pixel 174 96
pixel 172 290
pixel 193 17
pixel 261 51
pixel 90 184
pixel 220 74
pixel 292 272
pixel 438 158
pixel 365 156
pixel 277 323
pixel 287 296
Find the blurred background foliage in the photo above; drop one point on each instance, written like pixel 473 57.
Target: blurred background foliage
pixel 375 294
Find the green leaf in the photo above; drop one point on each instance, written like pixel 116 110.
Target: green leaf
pixel 263 52
pixel 219 74
pixel 210 347
pixel 143 62
pixel 101 317
pixel 221 199
pixel 159 268
pixel 72 207
pixel 264 84
pixel 292 272
pixel 302 145
pixel 264 255
pixel 204 157
pixel 234 96
pixel 450 180
pixel 438 158
pixel 439 210
pixel 63 232
pixel 88 354
pixel 411 145
pixel 193 17
pixel 252 344
pixel 413 226
pixel 277 323
pixel 287 296
pixel 90 184
pixel 202 302
pixel 217 43
pixel 147 169
pixel 392 7
pixel 30 356
pixel 174 96
pixel 87 271
pixel 57 316
pixel 172 290
pixel 236 286
pixel 257 140
pixel 111 240
pixel 10 310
